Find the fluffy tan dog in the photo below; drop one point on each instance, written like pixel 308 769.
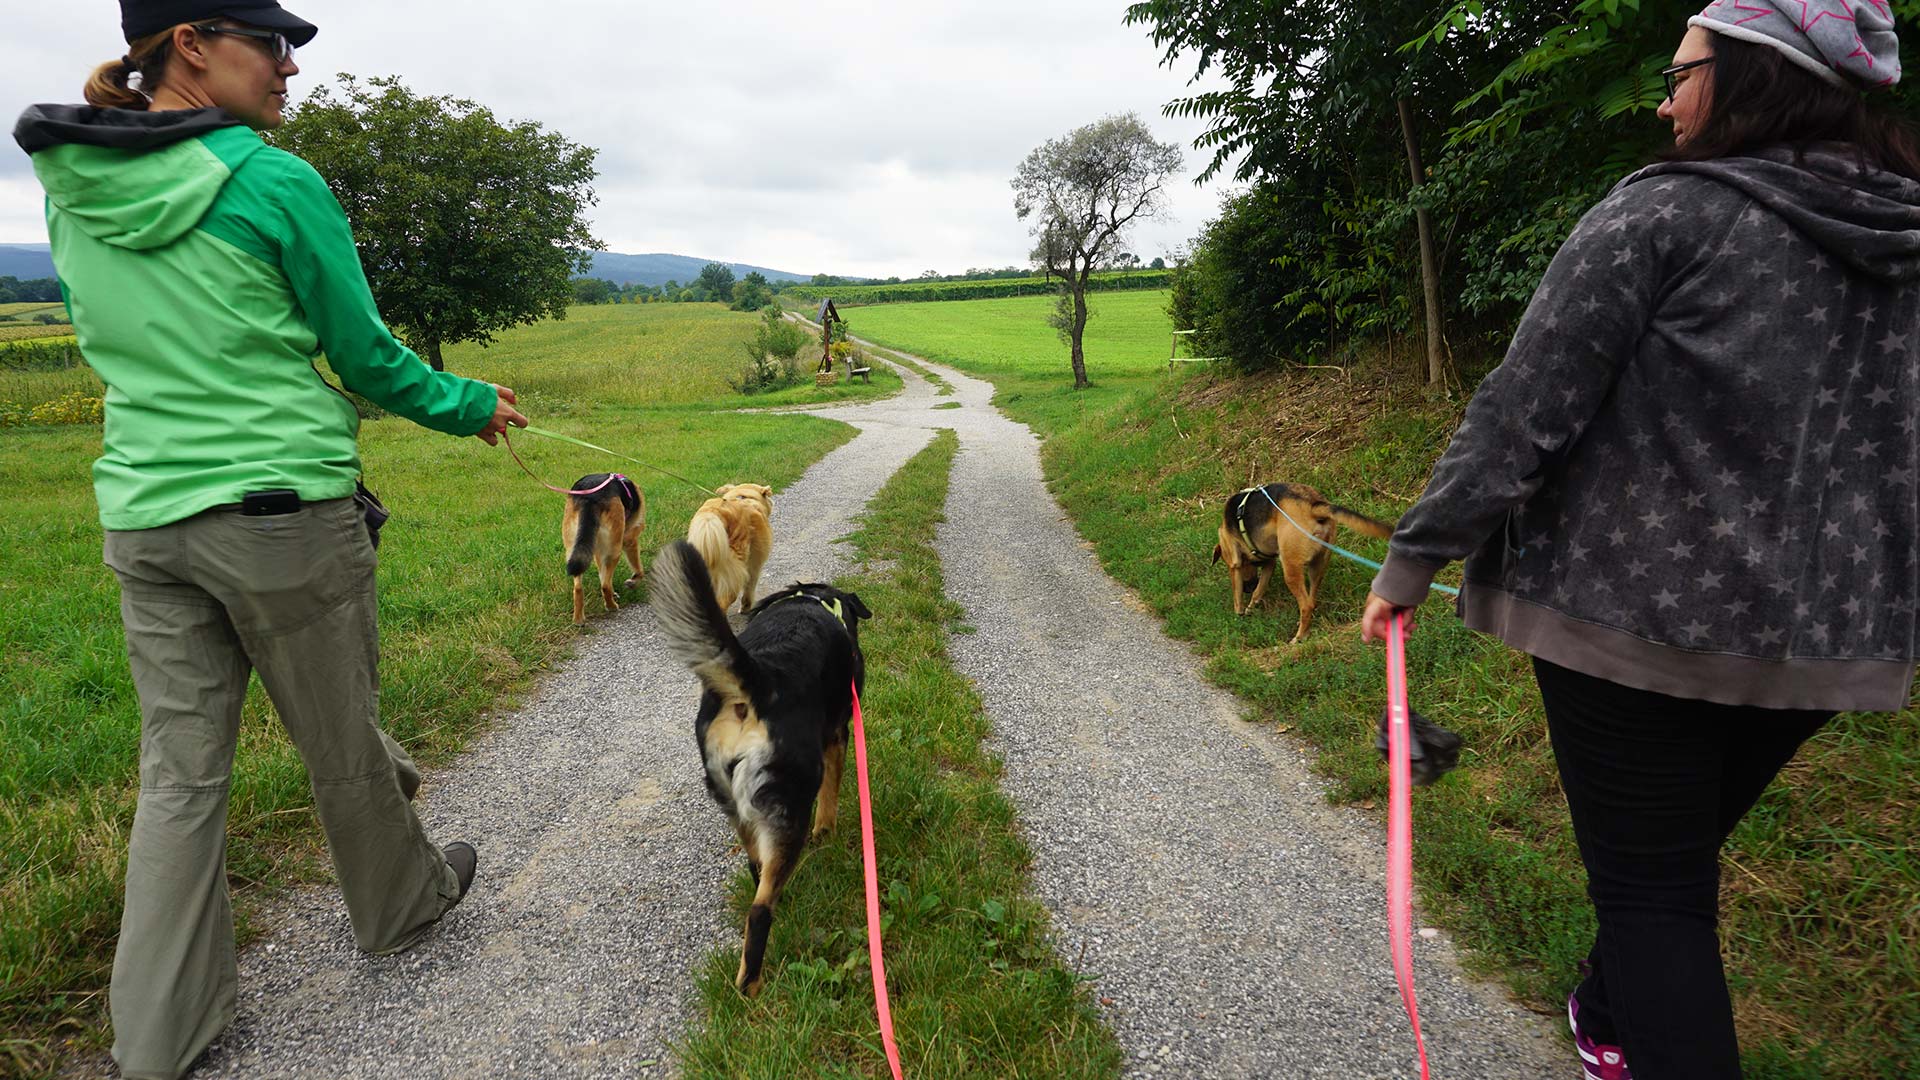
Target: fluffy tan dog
pixel 733 534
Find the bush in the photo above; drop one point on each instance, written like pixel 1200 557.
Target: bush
pixel 58 355
pixel 781 337
pixel 78 407
pixel 764 373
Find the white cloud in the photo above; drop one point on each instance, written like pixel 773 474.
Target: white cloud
pixel 839 137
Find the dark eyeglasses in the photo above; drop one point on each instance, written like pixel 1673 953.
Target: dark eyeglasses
pixel 1673 86
pixel 277 45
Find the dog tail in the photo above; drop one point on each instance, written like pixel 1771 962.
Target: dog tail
pixel 708 534
pixel 585 520
pixel 1361 523
pixel 695 628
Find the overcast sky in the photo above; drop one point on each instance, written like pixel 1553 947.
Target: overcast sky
pixel 809 137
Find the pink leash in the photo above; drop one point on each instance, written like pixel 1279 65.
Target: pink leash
pixel 611 477
pixel 873 890
pixel 1400 826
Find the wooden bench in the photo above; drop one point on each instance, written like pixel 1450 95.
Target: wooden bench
pixel 861 373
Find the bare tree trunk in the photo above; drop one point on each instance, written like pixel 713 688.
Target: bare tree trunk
pixel 430 352
pixel 1429 261
pixel 1079 331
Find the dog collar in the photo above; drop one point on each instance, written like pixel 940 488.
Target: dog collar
pixel 834 607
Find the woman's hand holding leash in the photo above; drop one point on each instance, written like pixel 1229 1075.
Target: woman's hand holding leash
pixel 1379 613
pixel 504 416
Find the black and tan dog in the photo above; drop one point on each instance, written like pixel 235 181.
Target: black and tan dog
pixel 1255 536
pixel 594 530
pixel 772 726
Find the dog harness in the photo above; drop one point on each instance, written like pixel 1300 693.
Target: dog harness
pixel 1240 517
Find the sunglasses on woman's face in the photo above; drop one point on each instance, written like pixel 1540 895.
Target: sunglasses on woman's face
pixel 277 45
pixel 1673 84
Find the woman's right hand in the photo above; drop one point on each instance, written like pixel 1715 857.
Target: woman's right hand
pixel 504 417
pixel 1378 615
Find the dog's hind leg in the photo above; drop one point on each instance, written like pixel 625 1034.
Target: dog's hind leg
pixel 775 866
pixel 826 807
pixel 632 547
pixel 608 562
pixel 753 582
pixel 579 601
pixel 1297 585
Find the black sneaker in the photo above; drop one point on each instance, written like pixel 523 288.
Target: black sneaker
pixel 464 860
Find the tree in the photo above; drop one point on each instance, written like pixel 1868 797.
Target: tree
pixel 716 280
pixel 1082 191
pixel 752 292
pixel 593 291
pixel 465 225
pixel 1158 263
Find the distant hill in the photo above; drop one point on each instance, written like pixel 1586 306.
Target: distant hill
pixel 32 261
pixel 25 261
pixel 660 269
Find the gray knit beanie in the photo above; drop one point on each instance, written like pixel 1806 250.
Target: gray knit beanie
pixel 1845 42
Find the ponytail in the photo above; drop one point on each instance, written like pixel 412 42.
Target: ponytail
pixel 110 88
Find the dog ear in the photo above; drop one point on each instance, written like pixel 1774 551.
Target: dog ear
pixel 854 607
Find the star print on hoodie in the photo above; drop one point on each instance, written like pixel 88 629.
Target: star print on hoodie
pixel 1695 471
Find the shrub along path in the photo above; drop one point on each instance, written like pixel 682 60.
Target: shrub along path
pixel 1228 919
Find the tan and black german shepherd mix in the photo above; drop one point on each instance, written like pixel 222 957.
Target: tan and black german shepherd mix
pixel 596 528
pixel 772 725
pixel 733 532
pixel 1254 536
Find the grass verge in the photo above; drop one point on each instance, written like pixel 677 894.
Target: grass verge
pixel 1819 920
pixel 977 991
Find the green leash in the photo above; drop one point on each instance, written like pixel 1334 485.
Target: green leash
pixel 544 433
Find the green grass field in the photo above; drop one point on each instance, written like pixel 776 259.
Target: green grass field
pixel 473 606
pixel 976 989
pixel 1821 927
pixel 1128 335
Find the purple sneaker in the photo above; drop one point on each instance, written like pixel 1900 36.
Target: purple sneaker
pixel 1600 1062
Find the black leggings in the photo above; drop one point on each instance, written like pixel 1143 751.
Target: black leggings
pixel 1655 785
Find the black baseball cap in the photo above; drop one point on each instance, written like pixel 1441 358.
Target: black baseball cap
pixel 139 18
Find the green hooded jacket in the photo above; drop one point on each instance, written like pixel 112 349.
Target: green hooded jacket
pixel 204 271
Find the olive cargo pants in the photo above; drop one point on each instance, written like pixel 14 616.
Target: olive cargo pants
pixel 205 601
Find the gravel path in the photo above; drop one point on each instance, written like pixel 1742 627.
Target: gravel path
pixel 1230 919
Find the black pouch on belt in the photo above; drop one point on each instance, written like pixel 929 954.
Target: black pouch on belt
pixel 1433 751
pixel 375 510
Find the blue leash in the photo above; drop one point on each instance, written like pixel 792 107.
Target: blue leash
pixel 1361 559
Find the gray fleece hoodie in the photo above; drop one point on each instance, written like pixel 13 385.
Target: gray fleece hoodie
pixel 1694 473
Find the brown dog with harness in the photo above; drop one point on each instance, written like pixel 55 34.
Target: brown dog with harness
pixel 1256 535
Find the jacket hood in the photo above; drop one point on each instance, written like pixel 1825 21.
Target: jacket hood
pixel 1864 217
pixel 128 178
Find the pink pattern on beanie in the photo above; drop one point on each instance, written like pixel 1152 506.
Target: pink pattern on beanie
pixel 1844 42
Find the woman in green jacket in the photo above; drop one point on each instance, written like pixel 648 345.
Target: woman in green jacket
pixel 204 271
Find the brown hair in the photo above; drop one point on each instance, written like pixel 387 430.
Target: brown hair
pixel 147 57
pixel 1761 99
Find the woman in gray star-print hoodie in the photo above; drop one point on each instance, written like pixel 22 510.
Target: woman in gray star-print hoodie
pixel 1694 473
